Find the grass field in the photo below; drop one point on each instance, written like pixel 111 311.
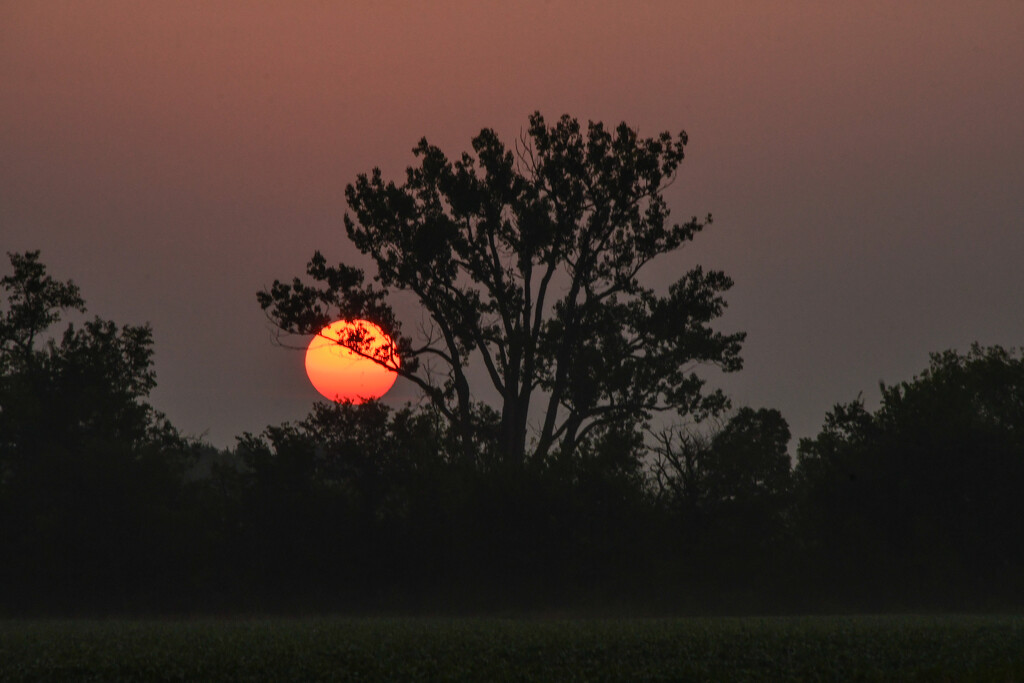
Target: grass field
pixel 964 648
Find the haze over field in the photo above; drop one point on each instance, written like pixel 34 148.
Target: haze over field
pixel 862 163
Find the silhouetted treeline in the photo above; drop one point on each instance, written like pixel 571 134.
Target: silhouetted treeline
pixel 920 503
pixel 104 507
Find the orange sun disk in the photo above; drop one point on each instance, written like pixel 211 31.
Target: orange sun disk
pixel 341 374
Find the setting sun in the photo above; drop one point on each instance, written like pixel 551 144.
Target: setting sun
pixel 351 370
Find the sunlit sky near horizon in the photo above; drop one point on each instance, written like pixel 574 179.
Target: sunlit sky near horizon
pixel 864 163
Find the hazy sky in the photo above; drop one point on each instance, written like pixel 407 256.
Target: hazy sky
pixel 864 162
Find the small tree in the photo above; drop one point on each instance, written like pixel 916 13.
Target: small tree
pixel 528 261
pixel 742 469
pixel 34 303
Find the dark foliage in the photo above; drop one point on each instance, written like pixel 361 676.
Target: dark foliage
pixel 90 475
pixel 729 495
pixel 919 503
pixel 105 508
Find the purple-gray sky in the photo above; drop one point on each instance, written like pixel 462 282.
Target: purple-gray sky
pixel 864 163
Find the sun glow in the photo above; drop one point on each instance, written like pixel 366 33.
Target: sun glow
pixel 344 361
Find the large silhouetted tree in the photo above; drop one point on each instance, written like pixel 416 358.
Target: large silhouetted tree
pixel 528 262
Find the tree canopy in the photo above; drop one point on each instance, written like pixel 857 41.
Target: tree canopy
pixel 90 474
pixel 923 495
pixel 35 301
pixel 527 261
pixel 90 381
